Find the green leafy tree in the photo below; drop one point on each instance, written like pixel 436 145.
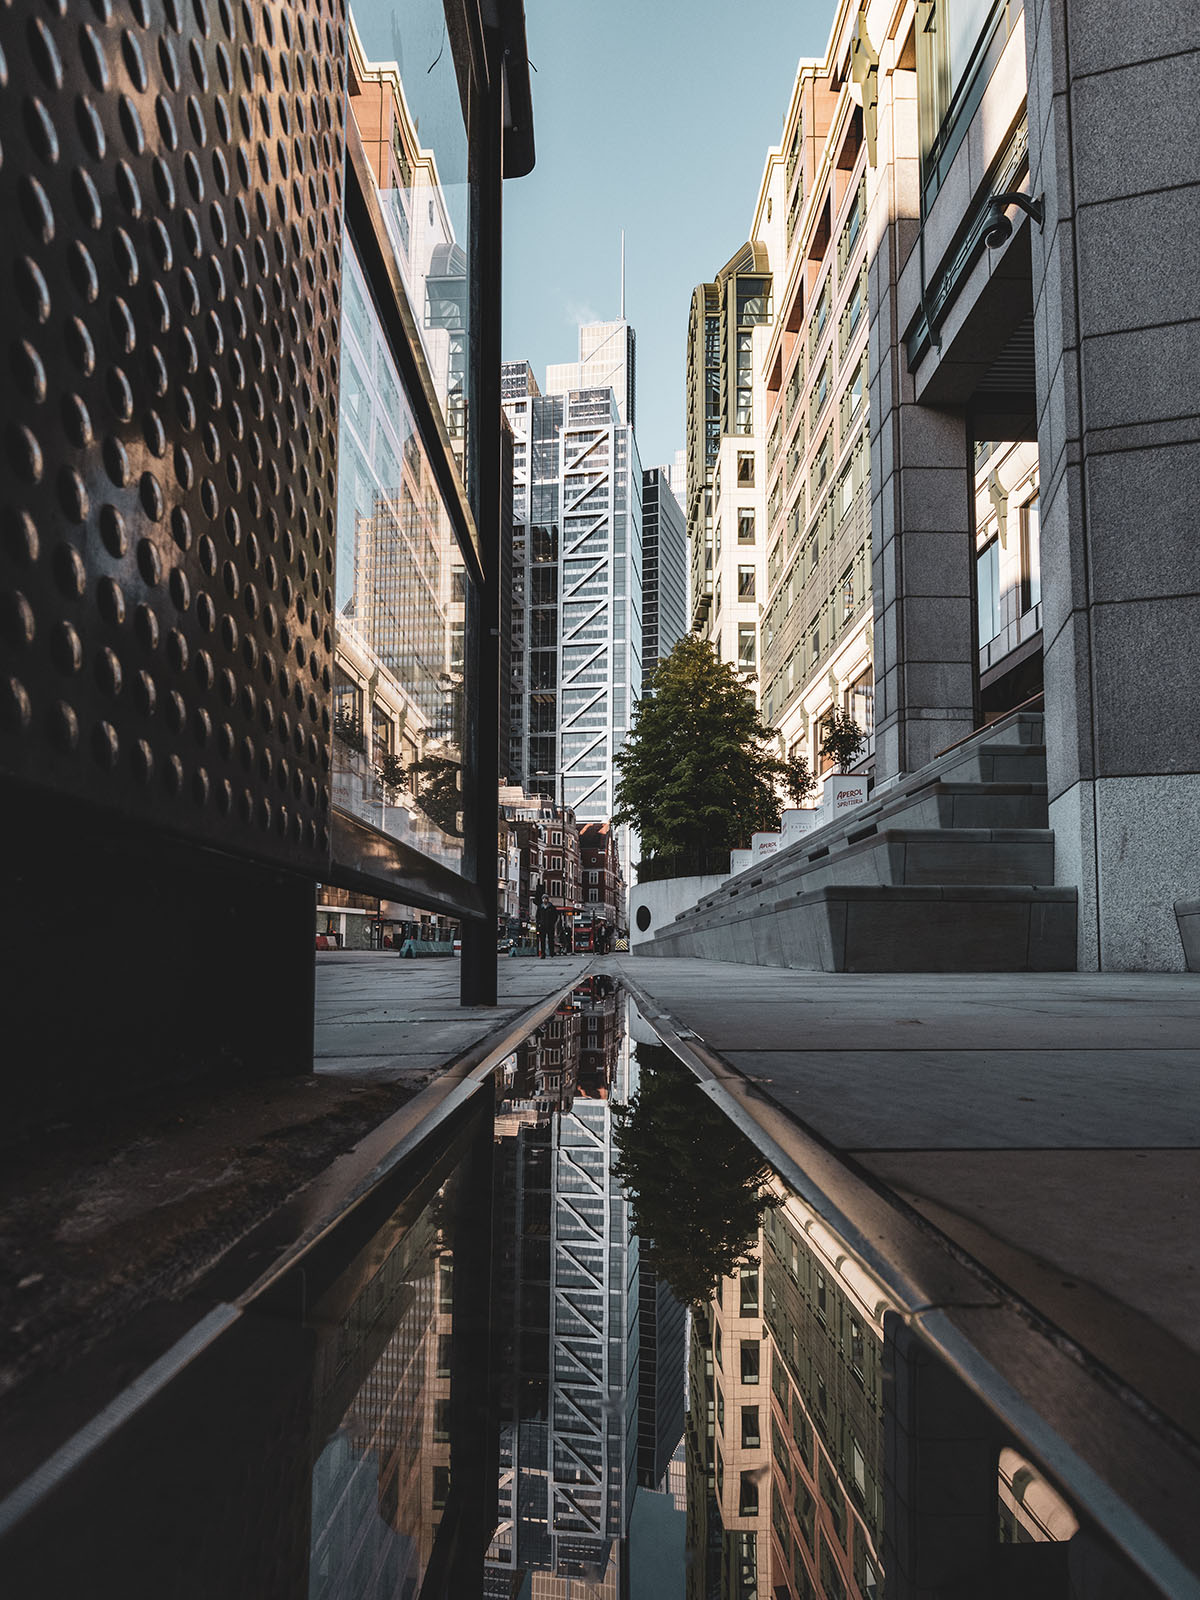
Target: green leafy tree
pixel 697 770
pixel 435 788
pixel 391 771
pixel 696 1185
pixel 842 739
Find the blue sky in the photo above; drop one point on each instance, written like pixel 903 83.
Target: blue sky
pixel 654 117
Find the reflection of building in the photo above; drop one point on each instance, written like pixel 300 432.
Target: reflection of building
pixel 400 584
pixel 823 1324
pixel 577 562
pixel 413 200
pixel 570 1314
pixel 603 885
pixel 662 1324
pixel 381 1482
pixel 785 1427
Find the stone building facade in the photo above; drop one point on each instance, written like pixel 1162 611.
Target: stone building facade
pixel 1027 442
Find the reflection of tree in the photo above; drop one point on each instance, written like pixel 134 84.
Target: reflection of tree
pixel 696 1185
pixel 435 787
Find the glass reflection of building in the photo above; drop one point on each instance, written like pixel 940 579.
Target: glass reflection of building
pixel 382 1480
pixel 785 1424
pixel 400 582
pixel 571 1309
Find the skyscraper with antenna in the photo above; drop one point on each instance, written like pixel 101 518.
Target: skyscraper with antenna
pixel 607 360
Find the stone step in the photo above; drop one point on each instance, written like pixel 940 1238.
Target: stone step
pixel 983 808
pixel 888 928
pixel 997 763
pixel 907 855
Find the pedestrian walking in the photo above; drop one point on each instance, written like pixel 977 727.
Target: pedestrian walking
pixel 547 923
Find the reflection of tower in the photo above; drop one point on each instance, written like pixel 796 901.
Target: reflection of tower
pixel 661 1354
pixel 568 1329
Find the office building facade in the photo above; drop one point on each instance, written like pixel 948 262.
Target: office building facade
pixel 576 633
pixel 664 569
pixel 817 625
pixel 726 505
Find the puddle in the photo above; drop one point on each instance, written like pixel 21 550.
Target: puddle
pixel 593 1347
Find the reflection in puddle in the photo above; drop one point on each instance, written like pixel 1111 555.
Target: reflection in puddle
pixel 584 1344
pixel 686 1392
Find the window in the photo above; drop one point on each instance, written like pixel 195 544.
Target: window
pixel 381 731
pixel 720 1409
pixel 832 1583
pixel 747 647
pixel 958 45
pixel 749 1291
pixel 858 1470
pixel 750 1359
pixel 593 895
pixel 847 587
pixel 1031 555
pixel 987 577
pixel 717 1343
pixel 746 525
pixel 747 1494
pixel 857 1345
pixel 801 1431
pixel 822 1296
pixel 441 1420
pixel 821 465
pixel 745 469
pixel 845 493
pixel 750 1434
pixel 746 583
pixel 822 387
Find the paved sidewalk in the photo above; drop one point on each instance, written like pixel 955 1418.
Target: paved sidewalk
pixel 381 1019
pixel 1047 1124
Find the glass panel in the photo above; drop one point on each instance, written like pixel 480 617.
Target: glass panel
pixel 400 607
pixel 988 580
pixel 409 110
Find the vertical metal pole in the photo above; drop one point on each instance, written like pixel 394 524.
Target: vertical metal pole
pixel 477 977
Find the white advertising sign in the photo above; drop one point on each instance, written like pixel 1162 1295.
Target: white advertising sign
pixel 843 794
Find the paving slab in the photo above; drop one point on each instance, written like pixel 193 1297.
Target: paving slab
pixel 383 1019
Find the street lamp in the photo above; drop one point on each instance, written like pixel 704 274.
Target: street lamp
pixel 561 802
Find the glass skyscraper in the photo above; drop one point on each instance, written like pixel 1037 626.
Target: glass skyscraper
pixel 576 658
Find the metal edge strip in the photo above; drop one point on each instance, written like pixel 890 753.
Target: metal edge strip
pixel 409 1128
pixel 85 1441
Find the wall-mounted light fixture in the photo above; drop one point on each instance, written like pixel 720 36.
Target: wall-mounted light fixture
pixel 997 227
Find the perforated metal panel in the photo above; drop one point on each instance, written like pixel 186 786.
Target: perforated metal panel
pixel 170 184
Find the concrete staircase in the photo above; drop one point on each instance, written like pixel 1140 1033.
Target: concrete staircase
pixel 951 870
